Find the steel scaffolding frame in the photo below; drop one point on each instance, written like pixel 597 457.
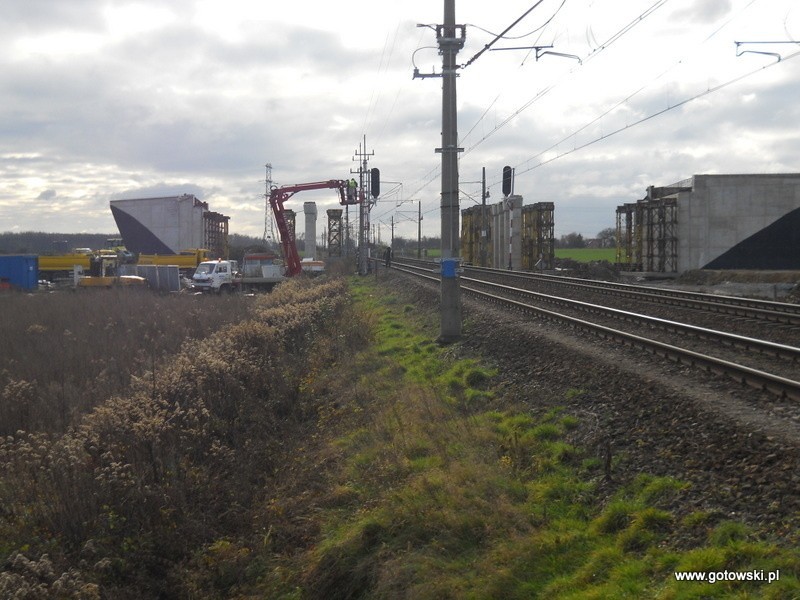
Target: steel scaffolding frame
pixel 471 234
pixel 215 226
pixel 538 243
pixel 647 233
pixel 334 232
pixel 537 229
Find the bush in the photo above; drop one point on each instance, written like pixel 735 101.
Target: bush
pixel 178 460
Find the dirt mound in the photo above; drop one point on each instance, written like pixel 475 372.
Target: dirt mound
pixel 601 270
pixel 709 277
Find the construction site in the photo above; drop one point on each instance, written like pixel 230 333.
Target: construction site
pixel 172 243
pixel 712 222
pixel 508 235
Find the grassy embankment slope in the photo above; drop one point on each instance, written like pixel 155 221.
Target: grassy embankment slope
pixel 442 490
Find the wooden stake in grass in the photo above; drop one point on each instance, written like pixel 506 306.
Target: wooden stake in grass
pixel 607 461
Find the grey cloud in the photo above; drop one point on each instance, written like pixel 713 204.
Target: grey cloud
pixel 160 190
pixel 135 114
pixel 42 15
pixel 704 11
pixel 160 108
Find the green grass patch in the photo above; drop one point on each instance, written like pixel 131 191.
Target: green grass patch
pixel 443 494
pixel 586 255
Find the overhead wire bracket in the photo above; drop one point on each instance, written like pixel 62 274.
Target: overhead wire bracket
pixel 449 38
pixel 739 50
pixel 541 51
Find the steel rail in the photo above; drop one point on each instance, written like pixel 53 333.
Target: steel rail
pixel 775 384
pixel 772 310
pixel 780 386
pixel 779 312
pixel 762 346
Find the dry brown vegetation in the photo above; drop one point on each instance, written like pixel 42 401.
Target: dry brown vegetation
pixel 63 353
pixel 114 475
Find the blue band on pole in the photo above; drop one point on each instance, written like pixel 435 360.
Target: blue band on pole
pixel 449 266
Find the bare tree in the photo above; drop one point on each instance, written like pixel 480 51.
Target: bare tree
pixel 572 240
pixel 607 237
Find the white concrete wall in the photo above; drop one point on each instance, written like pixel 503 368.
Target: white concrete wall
pixel 176 220
pixel 724 210
pixel 497 235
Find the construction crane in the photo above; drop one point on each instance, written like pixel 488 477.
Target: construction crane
pixel 279 195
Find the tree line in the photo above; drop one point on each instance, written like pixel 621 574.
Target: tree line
pixel 607 238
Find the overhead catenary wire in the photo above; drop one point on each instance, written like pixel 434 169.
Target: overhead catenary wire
pixel 541 93
pixel 630 96
pixel 384 65
pixel 540 30
pixel 524 35
pixel 500 36
pixel 619 34
pixel 599 48
pixel 680 61
pixel 428 179
pixel 525 167
pixel 519 171
pixel 433 174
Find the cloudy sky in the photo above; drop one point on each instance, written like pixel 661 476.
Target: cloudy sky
pixel 106 99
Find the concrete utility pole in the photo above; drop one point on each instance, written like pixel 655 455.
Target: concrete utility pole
pixel 451 39
pixel 419 229
pixel 449 45
pixel 483 234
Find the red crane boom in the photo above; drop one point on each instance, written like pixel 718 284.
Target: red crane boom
pixel 279 195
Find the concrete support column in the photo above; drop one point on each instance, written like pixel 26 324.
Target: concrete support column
pixel 515 231
pixel 310 210
pixel 497 235
pixel 504 264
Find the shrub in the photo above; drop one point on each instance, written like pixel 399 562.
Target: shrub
pixel 178 460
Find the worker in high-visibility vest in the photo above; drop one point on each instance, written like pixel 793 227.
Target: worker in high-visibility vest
pixel 351 190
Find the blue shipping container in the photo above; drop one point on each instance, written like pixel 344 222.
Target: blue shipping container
pixel 21 271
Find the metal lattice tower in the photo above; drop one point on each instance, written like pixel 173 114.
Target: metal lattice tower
pixel 334 232
pixel 269 226
pixel 364 206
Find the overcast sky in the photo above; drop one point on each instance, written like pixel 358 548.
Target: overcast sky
pixel 108 99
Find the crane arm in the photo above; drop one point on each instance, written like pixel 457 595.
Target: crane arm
pixel 278 196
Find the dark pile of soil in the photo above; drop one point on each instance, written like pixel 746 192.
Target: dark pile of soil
pixel 708 277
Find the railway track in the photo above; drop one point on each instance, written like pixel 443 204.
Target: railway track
pixel 749 308
pixel 759 363
pixel 765 310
